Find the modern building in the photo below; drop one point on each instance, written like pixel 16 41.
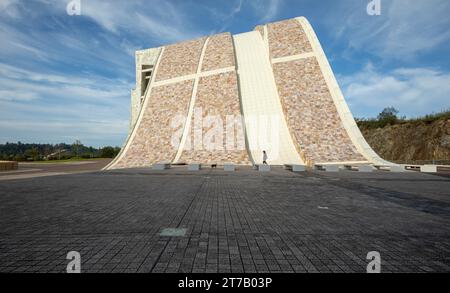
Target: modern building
pixel 226 98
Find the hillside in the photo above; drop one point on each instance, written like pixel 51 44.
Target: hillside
pixel 413 141
pixel 62 151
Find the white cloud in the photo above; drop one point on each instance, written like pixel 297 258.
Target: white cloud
pixel 413 91
pixel 25 83
pixel 271 10
pixel 9 8
pixel 11 72
pixel 267 10
pixel 15 43
pixel 404 29
pixel 94 133
pixel 161 20
pixel 38 106
pixel 222 16
pixel 17 95
pixel 416 26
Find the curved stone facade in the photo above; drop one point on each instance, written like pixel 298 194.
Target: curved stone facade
pixel 287 38
pixel 219 52
pixel 217 98
pixel 311 114
pixel 153 139
pixel 180 59
pixel 197 93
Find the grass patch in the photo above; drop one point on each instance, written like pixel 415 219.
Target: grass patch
pixel 374 123
pixel 432 117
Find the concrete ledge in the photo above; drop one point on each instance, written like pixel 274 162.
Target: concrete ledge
pixel 161 166
pixel 295 168
pixel 318 167
pixel 365 169
pixel 8 165
pixel 382 167
pixel 332 168
pixel 298 168
pixel 428 169
pixel 194 167
pixel 391 168
pixel 263 168
pixel 229 167
pixel 327 168
pixel 412 167
pixel 397 169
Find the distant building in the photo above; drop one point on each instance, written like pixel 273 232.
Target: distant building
pixel 56 155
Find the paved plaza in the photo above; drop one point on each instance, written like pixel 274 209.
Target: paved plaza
pixel 41 169
pixel 176 220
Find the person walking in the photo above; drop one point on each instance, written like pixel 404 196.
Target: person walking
pixel 265 158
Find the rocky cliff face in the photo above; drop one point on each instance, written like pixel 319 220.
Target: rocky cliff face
pixel 411 141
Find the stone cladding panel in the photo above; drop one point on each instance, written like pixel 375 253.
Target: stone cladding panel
pixel 219 52
pixel 287 38
pixel 180 59
pixel 152 142
pixel 217 95
pixel 311 114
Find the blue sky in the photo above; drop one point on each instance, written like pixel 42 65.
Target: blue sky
pixel 65 77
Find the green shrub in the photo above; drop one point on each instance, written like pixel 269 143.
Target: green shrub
pixel 109 152
pixel 389 117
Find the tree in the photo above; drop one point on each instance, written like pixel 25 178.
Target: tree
pixel 388 116
pixel 107 152
pixel 19 157
pixel 76 147
pixel 32 153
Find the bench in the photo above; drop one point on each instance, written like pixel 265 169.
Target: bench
pixel 326 167
pixel 194 167
pixel 397 169
pixel 412 167
pixel 365 169
pixel 428 169
pixel 295 168
pixel 359 168
pixel 229 167
pixel 391 168
pixel 350 168
pixel 161 166
pixel 263 168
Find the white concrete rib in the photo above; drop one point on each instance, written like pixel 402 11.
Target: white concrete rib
pixel 293 57
pixel 187 124
pixel 261 104
pixel 266 39
pixel 193 76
